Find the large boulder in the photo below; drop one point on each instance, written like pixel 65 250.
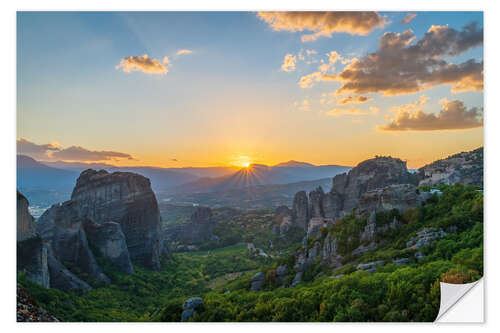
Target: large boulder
pixel 257 281
pixel 109 240
pixel 301 210
pixel 125 198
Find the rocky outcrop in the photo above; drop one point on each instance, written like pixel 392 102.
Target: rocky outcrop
pixel 125 198
pixel 113 215
pixel 425 237
pixel 109 240
pixel 281 274
pixel 465 168
pixel 316 203
pixel 369 175
pixel 370 267
pixel 31 251
pixel 189 308
pixel 62 278
pixel 32 260
pixel 28 310
pixel 26 226
pixel 332 205
pixel 62 228
pixel 257 281
pixel 301 210
pixel 400 197
pixel 380 183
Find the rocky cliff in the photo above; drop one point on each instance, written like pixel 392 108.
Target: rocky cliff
pixel 31 251
pixel 372 174
pixel 114 216
pixel 465 168
pixel 198 230
pixel 127 199
pixel 373 184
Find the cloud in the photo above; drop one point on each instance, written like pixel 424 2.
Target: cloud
pixel 289 63
pixel 54 152
pixel 183 52
pixel 352 111
pixel 414 106
pixel 25 147
pixel 307 81
pixel 354 99
pixel 404 65
pixel 453 116
pixel 323 23
pixel 77 153
pixel 333 57
pixel 144 64
pixel 408 18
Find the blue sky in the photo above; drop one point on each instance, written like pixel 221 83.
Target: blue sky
pixel 226 100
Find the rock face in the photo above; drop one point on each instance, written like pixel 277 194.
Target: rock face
pixel 116 215
pixel 200 227
pixel 465 168
pixel 380 183
pixel 400 197
pixel 301 209
pixel 62 228
pixel 32 260
pixel 370 175
pixel 316 203
pixel 127 199
pixel 61 277
pixel 31 251
pixel 26 226
pixel 109 240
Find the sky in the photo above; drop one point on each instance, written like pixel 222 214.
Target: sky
pixel 174 89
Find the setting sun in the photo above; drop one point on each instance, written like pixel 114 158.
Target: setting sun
pixel 242 161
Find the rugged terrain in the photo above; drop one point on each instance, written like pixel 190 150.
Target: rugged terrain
pixel 465 168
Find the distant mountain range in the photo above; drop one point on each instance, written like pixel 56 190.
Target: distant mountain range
pixel 58 178
pixel 258 174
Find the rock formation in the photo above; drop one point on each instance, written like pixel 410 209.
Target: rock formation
pixel 31 252
pixel 301 210
pixel 26 226
pixel 62 228
pixel 369 175
pixel 109 240
pixel 257 281
pixel 316 203
pixel 114 216
pixel 127 199
pixel 400 197
pixel 380 183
